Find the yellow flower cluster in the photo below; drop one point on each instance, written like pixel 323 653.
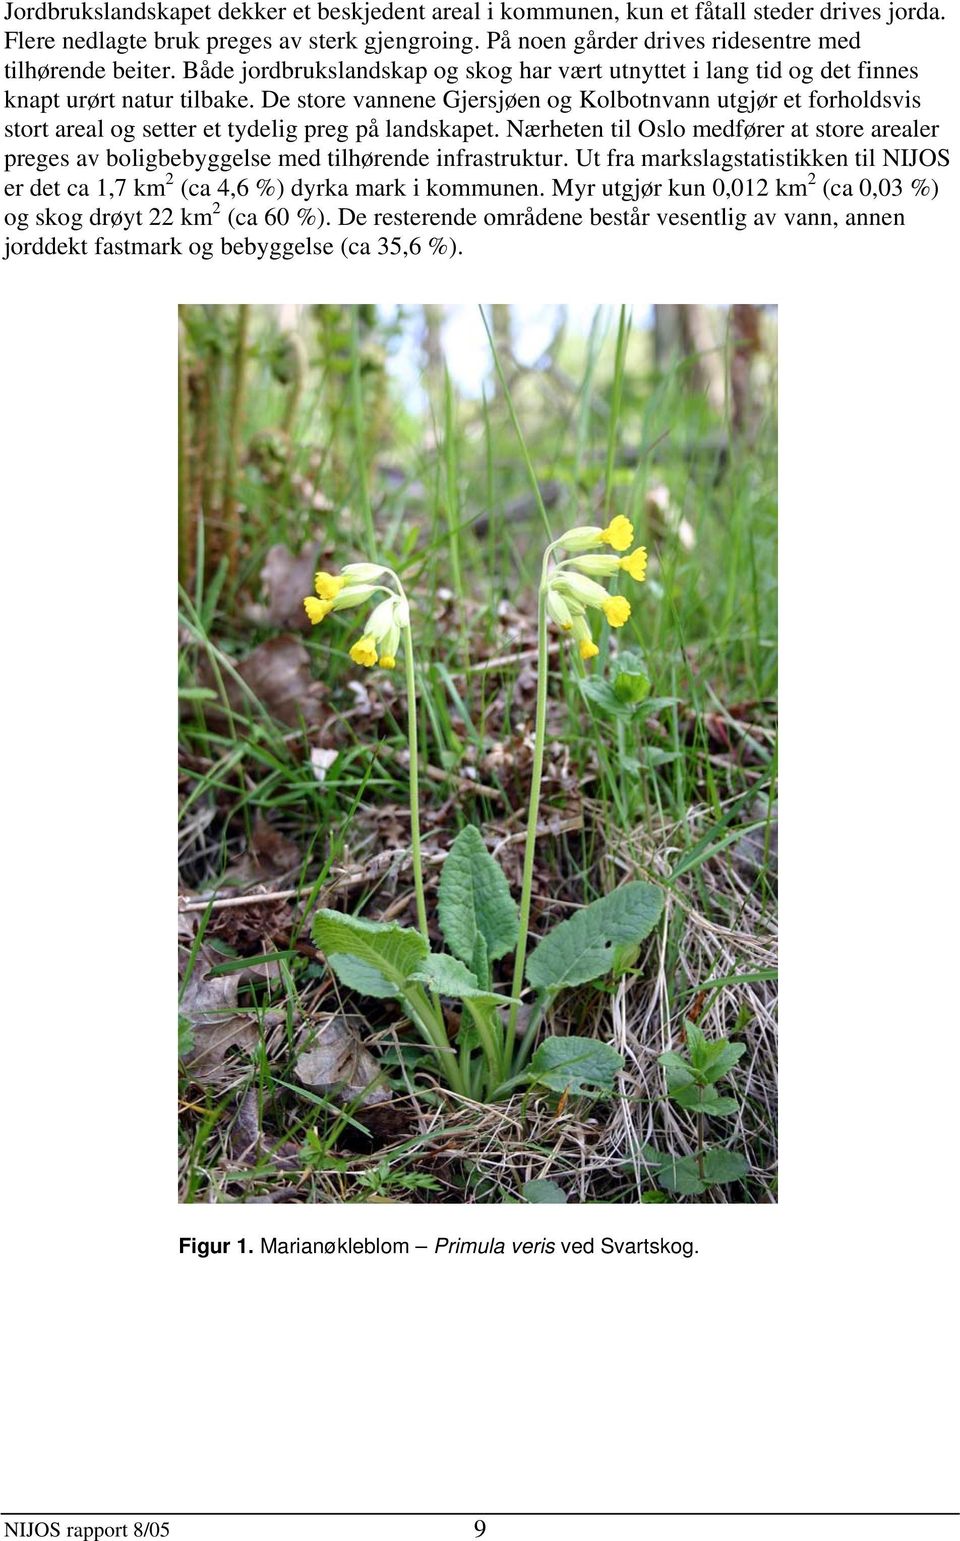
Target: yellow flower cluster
pixel 573 588
pixel 353 585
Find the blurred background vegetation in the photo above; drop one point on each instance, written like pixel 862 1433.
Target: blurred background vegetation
pixel 317 434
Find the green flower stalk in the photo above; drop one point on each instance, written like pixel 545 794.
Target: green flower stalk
pixel 569 588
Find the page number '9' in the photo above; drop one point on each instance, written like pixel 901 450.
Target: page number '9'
pixel 479 1527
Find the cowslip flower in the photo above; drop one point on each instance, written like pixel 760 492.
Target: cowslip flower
pixel 572 587
pixel 569 587
pixel 381 635
pixel 379 643
pixel 585 643
pixel 328 585
pixel 591 594
pixel 364 651
pixel 616 609
pixel 618 533
pixel 584 537
pixel 342 598
pixel 353 585
pixel 559 610
pixel 597 566
pixel 317 609
pixel 635 565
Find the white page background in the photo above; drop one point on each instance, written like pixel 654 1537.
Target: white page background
pixel 800 1361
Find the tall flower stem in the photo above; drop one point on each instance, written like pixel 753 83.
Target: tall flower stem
pixel 533 813
pixel 432 1019
pixel 414 783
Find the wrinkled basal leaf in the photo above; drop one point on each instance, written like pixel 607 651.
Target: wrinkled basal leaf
pixel 476 906
pixel 367 955
pixel 596 939
pixel 448 976
pixel 575 1065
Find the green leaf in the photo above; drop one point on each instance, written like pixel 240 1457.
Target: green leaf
pixel 575 1065
pixel 596 939
pixel 725 1056
pixel 367 955
pixel 480 962
pixel 631 682
pixel 696 1045
pixel 652 756
pixel 540 1191
pixel 475 901
pixel 448 976
pixel 724 1166
pixel 602 694
pixel 184 1037
pixel 680 1174
pixel 701 1099
pixel 678 1071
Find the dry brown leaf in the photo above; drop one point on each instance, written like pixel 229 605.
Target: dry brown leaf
pixel 247 1141
pixel 338 1062
pixel 210 1006
pixel 245 1131
pixel 286 577
pixel 270 854
pixel 278 674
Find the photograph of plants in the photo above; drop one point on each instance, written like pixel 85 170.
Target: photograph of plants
pixel 478 754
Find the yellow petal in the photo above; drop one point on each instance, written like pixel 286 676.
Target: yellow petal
pixel 616 609
pixel 387 661
pixel 328 585
pixel 619 533
pixel 636 564
pixel 316 609
pixel 588 650
pixel 364 652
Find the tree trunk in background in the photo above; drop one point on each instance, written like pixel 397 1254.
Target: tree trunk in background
pixel 746 343
pixel 433 349
pixel 502 328
pixel 667 334
pixel 184 451
pixel 703 343
pixel 231 516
